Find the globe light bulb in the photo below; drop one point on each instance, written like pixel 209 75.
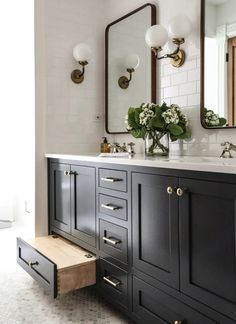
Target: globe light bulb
pixel 82 52
pixel 156 36
pixel 132 61
pixel 180 27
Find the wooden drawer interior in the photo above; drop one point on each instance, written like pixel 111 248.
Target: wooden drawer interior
pixel 73 267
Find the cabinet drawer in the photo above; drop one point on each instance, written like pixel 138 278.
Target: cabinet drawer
pixel 113 281
pixel 112 179
pixel 156 307
pixel 113 206
pixel 57 264
pixel 114 240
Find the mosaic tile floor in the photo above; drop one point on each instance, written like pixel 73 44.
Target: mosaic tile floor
pixel 23 301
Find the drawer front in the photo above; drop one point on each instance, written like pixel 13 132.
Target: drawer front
pixel 113 281
pixel 112 179
pixel 156 307
pixel 114 240
pixel 113 206
pixel 37 266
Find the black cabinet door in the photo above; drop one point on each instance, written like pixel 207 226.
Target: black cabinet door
pixel 155 227
pixel 60 196
pixel 83 183
pixel 208 244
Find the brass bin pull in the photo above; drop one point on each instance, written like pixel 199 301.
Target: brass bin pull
pixel 109 179
pixel 110 207
pixel 112 241
pixel 31 264
pixel 112 283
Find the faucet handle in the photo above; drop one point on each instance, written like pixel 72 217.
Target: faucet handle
pixel 225 143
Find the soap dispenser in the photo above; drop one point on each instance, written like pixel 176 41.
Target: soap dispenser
pixel 105 146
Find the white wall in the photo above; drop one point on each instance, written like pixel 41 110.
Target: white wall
pixel 65 110
pixel 17 110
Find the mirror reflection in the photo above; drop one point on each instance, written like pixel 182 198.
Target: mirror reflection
pixel 130 72
pixel 219 63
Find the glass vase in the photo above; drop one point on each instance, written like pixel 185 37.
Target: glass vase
pixel 156 143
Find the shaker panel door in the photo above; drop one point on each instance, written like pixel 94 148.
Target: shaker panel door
pixel 155 227
pixel 60 196
pixel 83 184
pixel 208 241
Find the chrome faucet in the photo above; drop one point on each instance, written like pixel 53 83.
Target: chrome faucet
pixel 227 150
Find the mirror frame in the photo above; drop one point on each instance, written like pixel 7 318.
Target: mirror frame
pixel 153 61
pixel 202 71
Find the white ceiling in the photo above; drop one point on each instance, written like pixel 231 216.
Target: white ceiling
pixel 217 2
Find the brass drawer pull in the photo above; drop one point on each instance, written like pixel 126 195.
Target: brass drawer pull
pixel 69 173
pixel 110 207
pixel 112 283
pixel 109 179
pixel 31 264
pixel 114 241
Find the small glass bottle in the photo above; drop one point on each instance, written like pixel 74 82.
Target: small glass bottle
pixel 105 146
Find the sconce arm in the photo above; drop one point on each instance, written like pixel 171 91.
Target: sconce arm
pixel 171 55
pixel 130 71
pixel 83 63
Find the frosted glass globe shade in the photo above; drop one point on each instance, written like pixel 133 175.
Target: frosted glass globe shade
pixel 132 61
pixel 169 47
pixel 180 27
pixel 156 36
pixel 82 52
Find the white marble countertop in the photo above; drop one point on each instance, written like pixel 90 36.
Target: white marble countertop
pixel 191 163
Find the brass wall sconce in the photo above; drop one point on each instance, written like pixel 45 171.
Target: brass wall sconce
pixel 157 36
pixel 131 64
pixel 82 54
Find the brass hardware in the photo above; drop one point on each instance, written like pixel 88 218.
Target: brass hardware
pixel 108 179
pixel 177 58
pixel 88 255
pixel 124 81
pixel 31 264
pixel 114 284
pixel 114 241
pixel 69 173
pixel 77 76
pixel 169 190
pixel 110 207
pixel 180 192
pixel 178 322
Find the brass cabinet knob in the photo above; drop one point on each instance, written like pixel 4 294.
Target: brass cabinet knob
pixel 178 322
pixel 180 192
pixel 66 173
pixel 169 190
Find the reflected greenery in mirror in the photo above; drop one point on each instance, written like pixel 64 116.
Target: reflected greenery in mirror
pixel 218 88
pixel 130 69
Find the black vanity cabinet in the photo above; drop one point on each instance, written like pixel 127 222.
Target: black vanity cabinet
pixel 208 243
pixel 164 239
pixel 155 227
pixel 72 201
pixel 60 196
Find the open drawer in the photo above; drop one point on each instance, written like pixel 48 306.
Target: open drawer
pixel 57 264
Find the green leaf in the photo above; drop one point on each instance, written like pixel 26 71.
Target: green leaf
pixel 175 130
pixel 131 118
pixel 223 121
pixel 157 122
pixel 186 135
pixel 138 133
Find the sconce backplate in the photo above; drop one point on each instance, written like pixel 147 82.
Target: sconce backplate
pixel 179 60
pixel 123 82
pixel 77 76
